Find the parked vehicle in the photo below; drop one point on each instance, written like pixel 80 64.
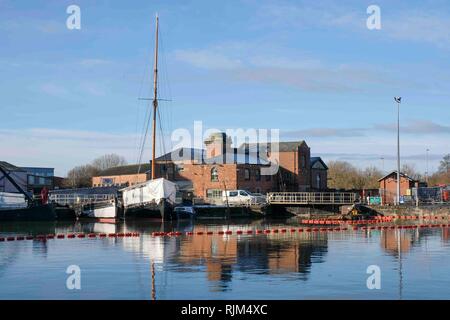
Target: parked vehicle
pixel 242 197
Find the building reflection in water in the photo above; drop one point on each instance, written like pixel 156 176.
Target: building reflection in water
pixel 391 244
pixel 220 256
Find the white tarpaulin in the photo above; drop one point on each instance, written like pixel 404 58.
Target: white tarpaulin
pixel 150 191
pixel 12 200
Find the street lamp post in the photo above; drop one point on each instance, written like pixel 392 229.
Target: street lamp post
pixel 426 174
pixel 398 100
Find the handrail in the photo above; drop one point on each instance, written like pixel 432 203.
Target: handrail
pixel 73 198
pixel 311 197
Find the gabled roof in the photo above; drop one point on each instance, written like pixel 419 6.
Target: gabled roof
pixel 402 175
pixel 125 170
pixel 282 146
pixel 9 167
pixel 182 154
pixel 314 160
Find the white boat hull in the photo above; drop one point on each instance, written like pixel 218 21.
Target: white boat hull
pixel 100 211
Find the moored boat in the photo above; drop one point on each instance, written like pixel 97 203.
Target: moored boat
pixel 152 199
pixel 100 210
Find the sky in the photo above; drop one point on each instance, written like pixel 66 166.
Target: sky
pixel 311 69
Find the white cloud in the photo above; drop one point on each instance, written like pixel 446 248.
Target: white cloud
pixel 53 89
pixel 63 149
pixel 208 59
pixel 256 63
pixel 426 25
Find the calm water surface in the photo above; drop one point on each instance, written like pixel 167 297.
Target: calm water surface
pixel 414 263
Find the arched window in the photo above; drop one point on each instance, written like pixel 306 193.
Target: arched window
pixel 214 174
pixel 318 180
pixel 247 174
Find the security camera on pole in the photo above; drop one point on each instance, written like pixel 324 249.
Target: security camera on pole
pixel 398 100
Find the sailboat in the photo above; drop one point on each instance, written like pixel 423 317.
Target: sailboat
pixel 154 198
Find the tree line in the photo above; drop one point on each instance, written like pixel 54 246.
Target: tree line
pixel 343 175
pixel 81 176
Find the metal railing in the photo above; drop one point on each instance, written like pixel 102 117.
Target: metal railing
pixel 311 197
pixel 71 199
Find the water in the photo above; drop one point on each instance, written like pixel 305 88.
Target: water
pixel 414 263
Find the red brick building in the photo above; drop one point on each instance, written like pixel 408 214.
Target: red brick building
pixel 206 173
pixel 388 187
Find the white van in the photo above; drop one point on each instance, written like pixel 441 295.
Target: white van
pixel 242 197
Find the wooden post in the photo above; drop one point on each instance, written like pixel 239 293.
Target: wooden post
pixel 155 99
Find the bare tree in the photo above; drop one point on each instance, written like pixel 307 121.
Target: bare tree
pixel 371 176
pixel 343 175
pixel 444 165
pixel 108 161
pixel 410 171
pixel 81 176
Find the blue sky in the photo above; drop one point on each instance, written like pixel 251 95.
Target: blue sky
pixel 309 68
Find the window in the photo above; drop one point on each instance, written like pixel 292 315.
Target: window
pixel 243 193
pixel 258 175
pixel 214 175
pixel 247 174
pixel 179 167
pixel 233 194
pixel 318 180
pixel 214 193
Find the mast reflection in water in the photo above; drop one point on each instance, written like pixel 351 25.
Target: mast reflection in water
pixel 273 266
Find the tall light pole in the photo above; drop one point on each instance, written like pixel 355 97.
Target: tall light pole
pixel 426 174
pixel 398 100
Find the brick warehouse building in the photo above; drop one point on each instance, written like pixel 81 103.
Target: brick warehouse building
pixel 388 187
pixel 206 173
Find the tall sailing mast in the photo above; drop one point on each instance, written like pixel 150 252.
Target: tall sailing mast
pixel 155 98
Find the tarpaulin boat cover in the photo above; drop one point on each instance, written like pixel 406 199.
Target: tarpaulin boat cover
pixel 12 200
pixel 150 191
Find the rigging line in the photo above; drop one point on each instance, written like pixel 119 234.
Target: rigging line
pixel 167 116
pixel 162 136
pixel 144 76
pixel 144 128
pixel 144 125
pixel 143 143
